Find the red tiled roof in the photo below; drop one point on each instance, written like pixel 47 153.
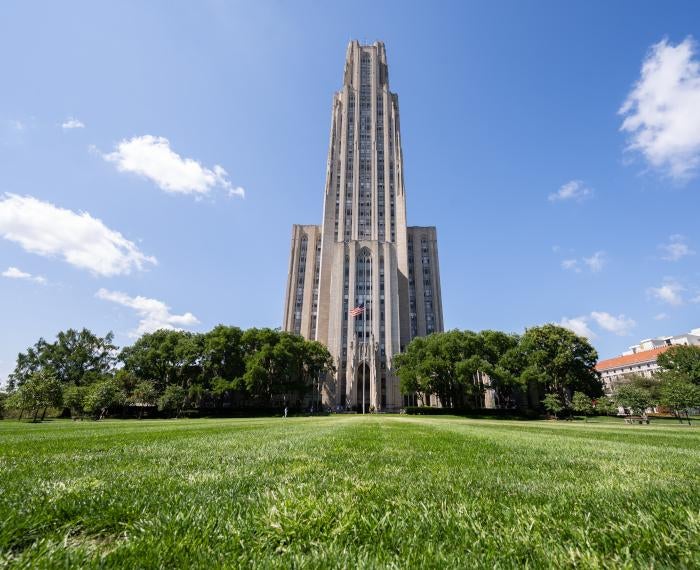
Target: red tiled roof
pixel 630 359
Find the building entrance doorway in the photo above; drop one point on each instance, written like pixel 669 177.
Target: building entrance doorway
pixel 363 371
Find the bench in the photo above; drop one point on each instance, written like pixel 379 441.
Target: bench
pixel 636 420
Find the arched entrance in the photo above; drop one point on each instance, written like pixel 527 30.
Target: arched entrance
pixel 363 372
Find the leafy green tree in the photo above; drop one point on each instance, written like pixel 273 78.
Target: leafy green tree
pixel 553 404
pixel 39 392
pixel 16 401
pixel 683 361
pixel 446 364
pixel 165 357
pixel 223 353
pixel 143 395
pixel 74 399
pixel 222 388
pixel 680 396
pixel 3 400
pixel 76 357
pixel 652 384
pixel 634 399
pixel 605 406
pixel 173 400
pixel 101 396
pixel 560 361
pixel 582 404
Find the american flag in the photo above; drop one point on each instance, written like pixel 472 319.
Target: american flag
pixel 357 311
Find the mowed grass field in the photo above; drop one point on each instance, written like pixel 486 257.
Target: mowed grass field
pixel 349 491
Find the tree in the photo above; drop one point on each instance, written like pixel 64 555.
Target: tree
pixel 165 357
pixel 560 361
pixel 76 357
pixel 683 361
pixel 680 396
pixel 101 396
pixel 605 406
pixel 173 400
pixel 143 395
pixel 39 391
pixel 553 404
pixel 634 399
pixel 3 401
pixel 446 365
pixel 651 384
pixel 223 353
pixel 582 404
pixel 74 399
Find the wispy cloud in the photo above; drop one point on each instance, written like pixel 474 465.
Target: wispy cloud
pixel 72 123
pixel 670 292
pixel 661 317
pixel 152 158
pixel 15 273
pixel 154 314
pixel 676 248
pixel 578 325
pixel 594 263
pixel 620 325
pixel 574 190
pixel 571 265
pixel 77 238
pixel 662 111
pixel 17 125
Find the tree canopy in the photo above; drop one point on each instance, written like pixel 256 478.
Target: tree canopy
pixel 451 365
pixel 174 369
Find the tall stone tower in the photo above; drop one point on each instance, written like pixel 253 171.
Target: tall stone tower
pixel 363 255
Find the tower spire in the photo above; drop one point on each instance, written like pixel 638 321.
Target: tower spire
pixel 363 249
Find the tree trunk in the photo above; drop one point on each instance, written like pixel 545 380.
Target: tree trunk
pixel 36 412
pixel 43 415
pixel 21 412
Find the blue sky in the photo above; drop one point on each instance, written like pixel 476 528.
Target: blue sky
pixel 129 131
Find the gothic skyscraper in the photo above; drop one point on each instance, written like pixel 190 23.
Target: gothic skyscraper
pixel 363 256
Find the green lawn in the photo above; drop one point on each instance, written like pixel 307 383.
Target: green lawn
pixel 349 491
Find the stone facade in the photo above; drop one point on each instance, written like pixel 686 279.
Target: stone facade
pixel 364 254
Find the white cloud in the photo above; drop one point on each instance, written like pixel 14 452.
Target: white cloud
pixel 619 325
pixel 573 190
pixel 72 123
pixel 662 111
pixel 17 125
pixel 154 314
pixel 671 292
pixel 152 158
pixel 15 273
pixel 676 248
pixel 571 264
pixel 661 317
pixel 78 238
pixel 578 325
pixel 596 262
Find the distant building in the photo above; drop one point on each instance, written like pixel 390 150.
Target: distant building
pixel 641 358
pixel 692 338
pixel 363 282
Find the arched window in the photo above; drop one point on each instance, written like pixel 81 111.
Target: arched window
pixel 363 293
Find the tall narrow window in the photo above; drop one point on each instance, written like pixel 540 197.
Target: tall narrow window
pixel 299 300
